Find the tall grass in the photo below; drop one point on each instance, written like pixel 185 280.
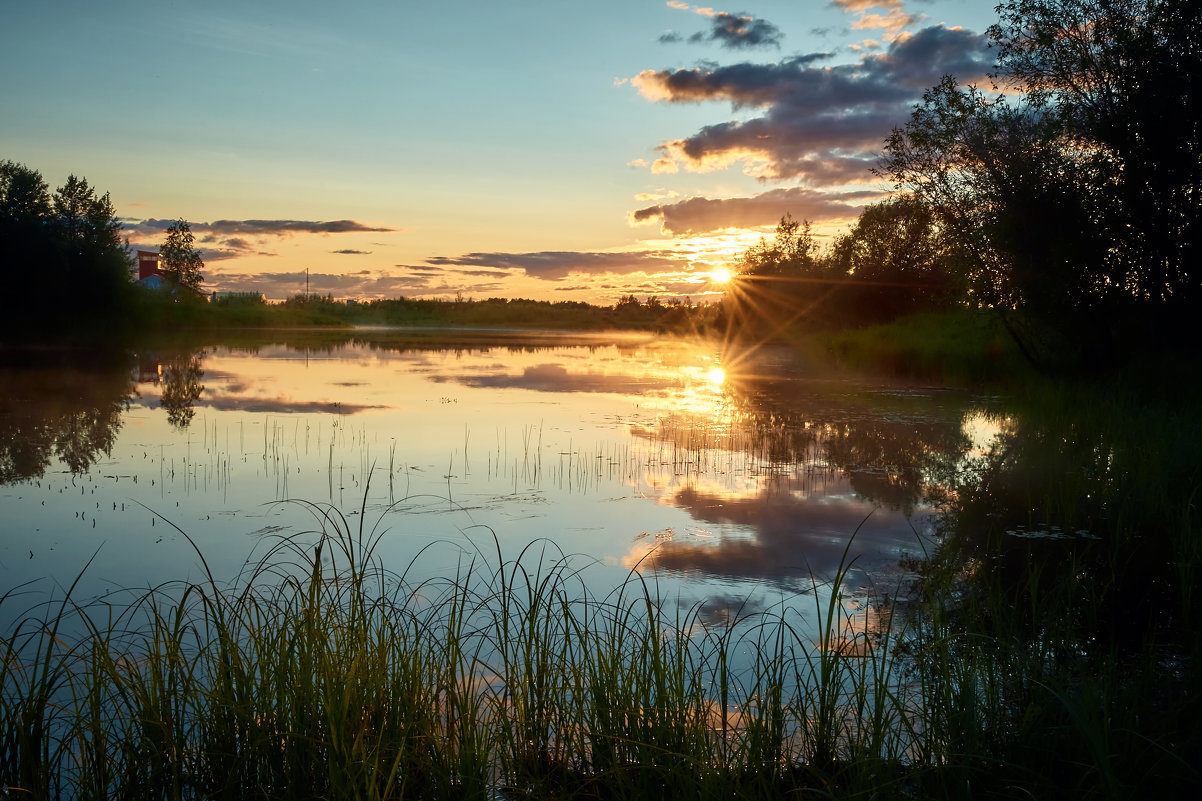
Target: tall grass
pixel 319 673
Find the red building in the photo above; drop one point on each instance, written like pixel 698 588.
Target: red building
pixel 148 264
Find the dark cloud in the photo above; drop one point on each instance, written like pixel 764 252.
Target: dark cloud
pixel 351 252
pixel 486 273
pixel 233 402
pixel 822 124
pixel 554 264
pixel 725 610
pixel 739 31
pixel 214 249
pixel 699 215
pixel 735 31
pixel 257 227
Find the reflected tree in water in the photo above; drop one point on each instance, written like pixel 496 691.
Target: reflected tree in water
pixel 181 388
pixel 64 406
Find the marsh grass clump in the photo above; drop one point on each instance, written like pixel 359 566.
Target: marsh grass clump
pixel 319 673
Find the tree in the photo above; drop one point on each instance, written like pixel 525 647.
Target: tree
pixel 1077 192
pixel 1122 77
pixel 23 192
pixel 181 388
pixel 181 261
pixel 790 254
pixel 66 248
pixel 84 216
pixel 896 259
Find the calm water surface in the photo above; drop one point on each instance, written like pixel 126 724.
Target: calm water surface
pixel 734 478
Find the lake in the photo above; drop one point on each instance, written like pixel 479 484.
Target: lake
pixel 654 561
pixel 734 476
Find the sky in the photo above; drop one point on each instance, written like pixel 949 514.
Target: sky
pixel 568 150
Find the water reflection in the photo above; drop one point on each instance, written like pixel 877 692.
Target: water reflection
pixel 181 388
pixel 59 405
pixel 665 455
pixel 1086 501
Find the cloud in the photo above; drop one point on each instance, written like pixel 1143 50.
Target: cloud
pixel 554 264
pixel 736 32
pixel 284 405
pixel 279 228
pixel 352 252
pixel 863 5
pixel 821 124
pixel 733 31
pixel 892 23
pixel 697 215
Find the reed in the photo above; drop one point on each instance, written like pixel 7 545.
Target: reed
pixel 321 673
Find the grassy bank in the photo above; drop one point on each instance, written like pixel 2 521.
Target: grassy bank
pixel 958 347
pixel 164 313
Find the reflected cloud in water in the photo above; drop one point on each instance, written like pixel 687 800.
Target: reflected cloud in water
pixel 557 378
pixel 787 538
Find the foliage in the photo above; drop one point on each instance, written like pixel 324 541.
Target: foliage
pixel 63 261
pixel 790 254
pixel 780 282
pixel 181 261
pixel 1076 192
pixel 897 261
pixel 956 346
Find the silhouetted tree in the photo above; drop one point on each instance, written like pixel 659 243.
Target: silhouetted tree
pixel 896 259
pixel 63 261
pixel 790 254
pixel 59 404
pixel 23 192
pixel 781 281
pixel 180 259
pixel 1076 194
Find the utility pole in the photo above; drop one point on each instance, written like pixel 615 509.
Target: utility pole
pixel 306 284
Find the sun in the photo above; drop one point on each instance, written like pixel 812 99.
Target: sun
pixel 720 275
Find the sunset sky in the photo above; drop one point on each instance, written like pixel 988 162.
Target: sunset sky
pixel 550 150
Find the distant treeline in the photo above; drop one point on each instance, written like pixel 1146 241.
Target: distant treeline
pixel 628 313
